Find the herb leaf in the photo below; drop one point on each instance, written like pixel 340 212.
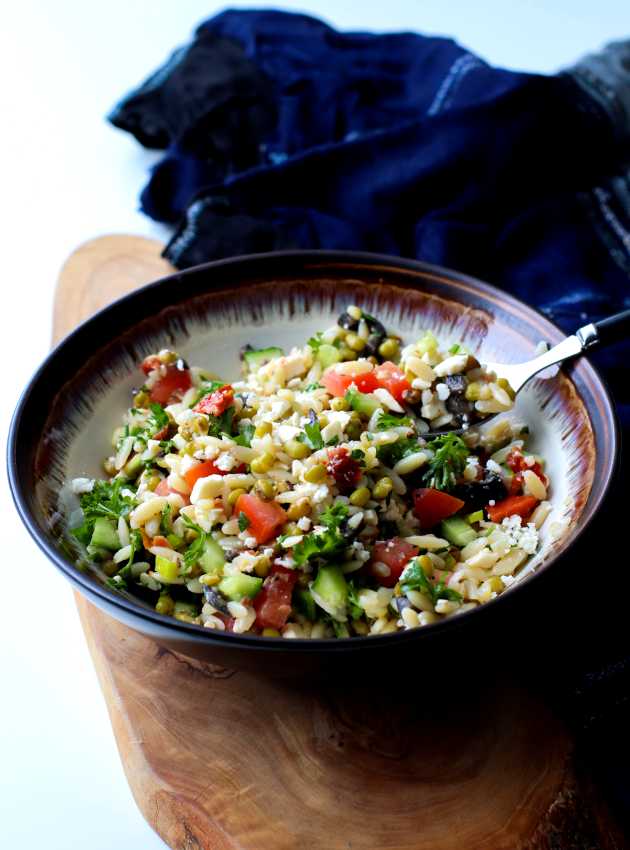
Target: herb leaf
pixel 315 341
pixel 218 425
pixel 416 579
pixel 104 500
pixel 243 521
pixel 326 544
pixel 387 421
pixel 312 435
pixel 165 520
pixel 447 463
pixel 354 606
pixel 158 418
pixel 392 453
pixel 246 432
pixel 196 548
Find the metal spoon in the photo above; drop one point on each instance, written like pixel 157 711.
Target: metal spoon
pixel 613 329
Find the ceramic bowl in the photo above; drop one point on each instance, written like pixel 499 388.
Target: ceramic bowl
pixel 63 423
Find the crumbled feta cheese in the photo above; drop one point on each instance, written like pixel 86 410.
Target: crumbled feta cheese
pixel 493 466
pixel 442 391
pixel 290 542
pixel 524 538
pixel 82 485
pixel 492 502
pixel 304 523
pixel 286 432
pixel 225 462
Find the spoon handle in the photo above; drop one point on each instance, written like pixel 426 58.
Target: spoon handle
pixel 613 329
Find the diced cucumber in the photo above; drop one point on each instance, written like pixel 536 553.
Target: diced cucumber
pixel 105 535
pixel 457 531
pixel 167 570
pixel 240 586
pixel 213 557
pixel 330 592
pixel 259 356
pixel 305 603
pixel 134 467
pixel 328 354
pixel 364 403
pixel 427 343
pixel 188 609
pixel 475 516
pixel 174 540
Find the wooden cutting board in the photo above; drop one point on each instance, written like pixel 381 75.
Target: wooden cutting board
pixel 221 760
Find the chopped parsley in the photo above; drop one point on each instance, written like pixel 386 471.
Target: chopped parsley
pixel 315 341
pixel 393 452
pixel 312 435
pixel 314 386
pixel 454 349
pixel 196 548
pixel 243 521
pixel 326 544
pixel 166 524
pixel 104 500
pixel 245 434
pixel 135 541
pixel 448 462
pixel 416 579
pixel 218 425
pixel 158 418
pixel 387 421
pixel 354 606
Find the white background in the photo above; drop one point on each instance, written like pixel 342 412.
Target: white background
pixel 67 176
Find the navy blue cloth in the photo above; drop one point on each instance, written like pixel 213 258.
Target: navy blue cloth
pixel 280 132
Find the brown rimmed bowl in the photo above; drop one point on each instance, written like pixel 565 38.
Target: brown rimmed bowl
pixel 63 423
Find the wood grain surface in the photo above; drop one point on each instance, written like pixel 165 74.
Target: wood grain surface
pixel 221 760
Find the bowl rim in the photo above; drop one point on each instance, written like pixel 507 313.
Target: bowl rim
pixel 309 260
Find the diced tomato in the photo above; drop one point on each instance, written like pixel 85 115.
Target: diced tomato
pixel 395 554
pixel 337 383
pixel 150 363
pixel 273 603
pixel 217 402
pixel 162 434
pixel 208 467
pixel 160 540
pixel 519 505
pixel 172 385
pixel 516 461
pixel 516 484
pixel 164 490
pixel 265 518
pixel 431 506
pixel 343 468
pixel 392 378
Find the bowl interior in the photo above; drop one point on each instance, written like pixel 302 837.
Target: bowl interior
pixel 63 426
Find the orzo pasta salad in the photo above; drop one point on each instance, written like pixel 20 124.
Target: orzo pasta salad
pixel 338 489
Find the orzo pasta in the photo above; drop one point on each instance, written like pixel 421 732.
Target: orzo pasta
pixel 312 498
